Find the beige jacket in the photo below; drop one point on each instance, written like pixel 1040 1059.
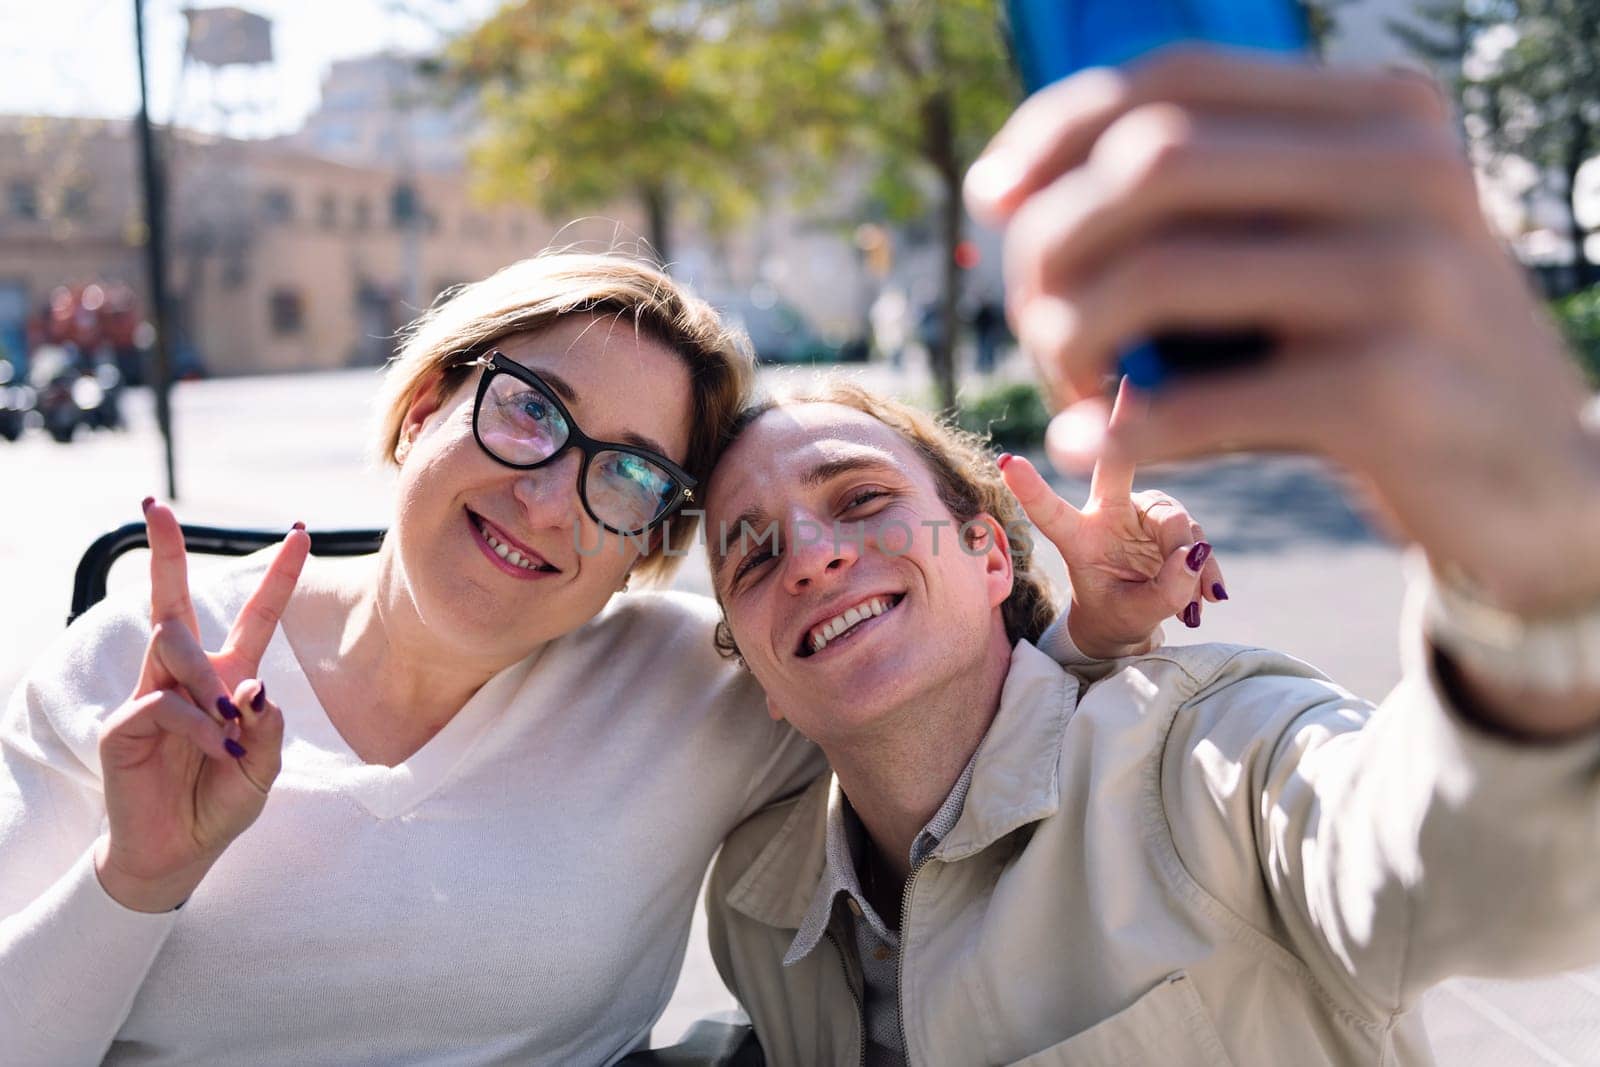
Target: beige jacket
pixel 1212 855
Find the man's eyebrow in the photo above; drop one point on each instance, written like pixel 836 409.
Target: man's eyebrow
pixel 751 517
pixel 832 468
pixel 569 396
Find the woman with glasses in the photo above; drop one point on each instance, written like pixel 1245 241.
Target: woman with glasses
pixel 481 792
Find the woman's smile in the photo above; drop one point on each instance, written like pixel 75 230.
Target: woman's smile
pixel 512 557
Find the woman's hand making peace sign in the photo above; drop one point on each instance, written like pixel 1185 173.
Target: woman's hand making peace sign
pixel 1133 558
pixel 187 760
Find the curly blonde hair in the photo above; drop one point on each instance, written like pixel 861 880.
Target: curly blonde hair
pixel 531 295
pixel 968 481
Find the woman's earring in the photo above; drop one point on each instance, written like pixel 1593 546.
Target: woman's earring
pixel 624 586
pixel 403 449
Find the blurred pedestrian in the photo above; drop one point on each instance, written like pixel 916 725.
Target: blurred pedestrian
pixel 890 327
pixel 989 330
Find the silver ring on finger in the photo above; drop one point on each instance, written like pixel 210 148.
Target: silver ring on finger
pixel 1144 512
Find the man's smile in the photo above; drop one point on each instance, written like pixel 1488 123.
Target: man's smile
pixel 844 626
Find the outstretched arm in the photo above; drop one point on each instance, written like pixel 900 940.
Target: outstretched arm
pixel 1409 347
pixel 1387 848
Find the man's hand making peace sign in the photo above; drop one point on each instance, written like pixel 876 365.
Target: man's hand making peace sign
pixel 1133 558
pixel 188 759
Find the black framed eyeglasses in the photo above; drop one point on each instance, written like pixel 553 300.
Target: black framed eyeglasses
pixel 520 422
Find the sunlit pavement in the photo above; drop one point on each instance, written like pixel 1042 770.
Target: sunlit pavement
pixel 1303 571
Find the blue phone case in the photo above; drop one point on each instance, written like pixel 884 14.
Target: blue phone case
pixel 1051 39
pixel 1055 38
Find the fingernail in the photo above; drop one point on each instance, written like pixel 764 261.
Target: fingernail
pixel 992 178
pixel 1198 555
pixel 298 526
pixel 228 708
pixel 259 701
pixel 235 749
pixel 1191 614
pixel 1218 592
pixel 147 503
pixel 1005 457
pixel 1075 437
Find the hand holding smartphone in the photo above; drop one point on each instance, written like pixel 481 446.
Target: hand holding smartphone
pixel 1052 39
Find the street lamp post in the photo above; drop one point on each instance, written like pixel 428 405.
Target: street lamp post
pixel 156 257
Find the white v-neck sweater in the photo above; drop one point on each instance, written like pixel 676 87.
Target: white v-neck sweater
pixel 519 891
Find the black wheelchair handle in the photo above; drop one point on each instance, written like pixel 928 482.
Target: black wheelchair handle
pixel 89 584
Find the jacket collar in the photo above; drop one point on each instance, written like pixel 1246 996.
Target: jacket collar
pixel 1014 782
pixel 1015 777
pixel 838 877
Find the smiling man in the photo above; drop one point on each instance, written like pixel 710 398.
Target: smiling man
pixel 1210 855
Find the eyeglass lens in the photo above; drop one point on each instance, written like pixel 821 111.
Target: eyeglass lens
pixel 519 424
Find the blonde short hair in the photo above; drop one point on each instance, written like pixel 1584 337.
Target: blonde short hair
pixel 531 295
pixel 968 481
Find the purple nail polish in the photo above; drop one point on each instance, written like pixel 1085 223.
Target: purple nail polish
pixel 235 749
pixel 228 708
pixel 1191 614
pixel 147 503
pixel 259 701
pixel 1218 592
pixel 298 526
pixel 1198 555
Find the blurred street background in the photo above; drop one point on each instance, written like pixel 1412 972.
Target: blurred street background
pixel 328 170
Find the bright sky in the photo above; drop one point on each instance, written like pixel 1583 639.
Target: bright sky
pixel 76 57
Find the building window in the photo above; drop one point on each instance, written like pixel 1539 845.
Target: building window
pixel 23 199
pixel 361 215
pixel 277 206
pixel 328 211
pixel 75 202
pixel 405 207
pixel 234 270
pixel 287 312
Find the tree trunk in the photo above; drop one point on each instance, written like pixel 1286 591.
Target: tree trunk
pixel 938 139
pixel 944 355
pixel 656 211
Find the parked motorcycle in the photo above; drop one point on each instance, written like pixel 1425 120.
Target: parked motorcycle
pixel 54 375
pixel 16 400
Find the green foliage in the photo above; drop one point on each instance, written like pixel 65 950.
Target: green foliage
pixel 896 85
pixel 1579 315
pixel 1525 74
pixel 587 104
pixel 1541 99
pixel 1322 19
pixel 1013 416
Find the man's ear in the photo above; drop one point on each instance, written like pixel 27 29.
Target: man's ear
pixel 983 535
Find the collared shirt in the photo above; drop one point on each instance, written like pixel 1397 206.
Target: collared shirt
pixel 877 945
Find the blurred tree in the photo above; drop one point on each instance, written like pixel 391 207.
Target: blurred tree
pixel 593 103
pixel 912 89
pixel 1526 75
pixel 1322 19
